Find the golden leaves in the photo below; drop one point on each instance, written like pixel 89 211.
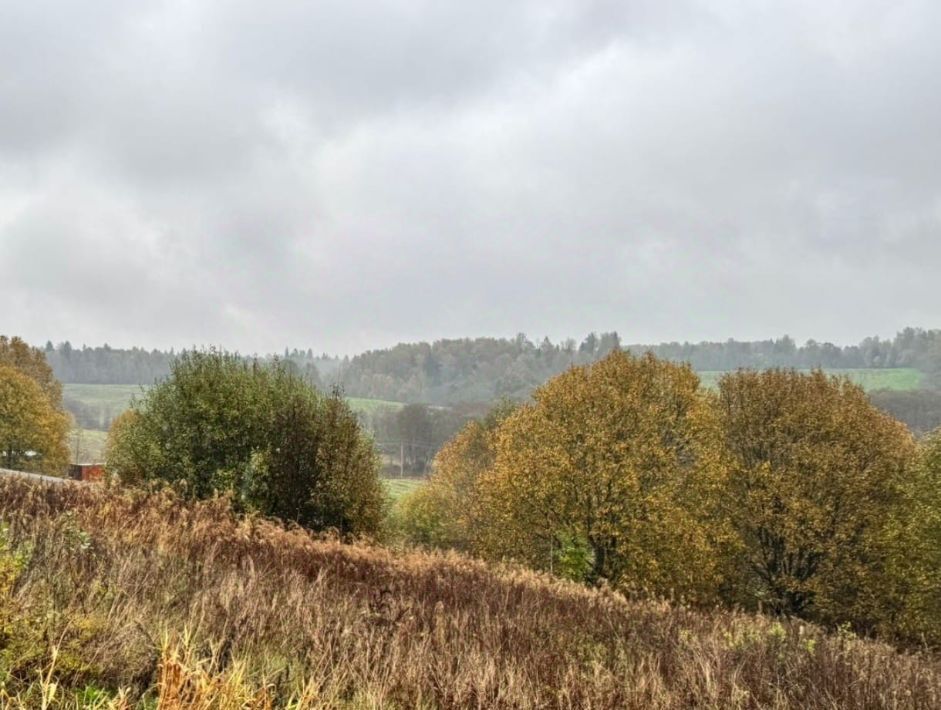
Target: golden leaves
pixel 32 430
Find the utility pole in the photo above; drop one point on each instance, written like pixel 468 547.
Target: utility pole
pixel 401 459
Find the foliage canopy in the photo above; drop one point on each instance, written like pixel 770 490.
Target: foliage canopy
pixel 607 475
pixel 219 424
pixel 32 430
pixel 783 490
pixel 815 473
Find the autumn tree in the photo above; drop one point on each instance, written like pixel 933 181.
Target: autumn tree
pixel 609 474
pixel 128 449
pixel 258 432
pixel 443 512
pixel 33 432
pixel 31 361
pixel 913 537
pixel 816 473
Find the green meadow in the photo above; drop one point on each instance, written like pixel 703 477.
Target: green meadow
pixel 111 400
pixel 399 487
pixel 890 378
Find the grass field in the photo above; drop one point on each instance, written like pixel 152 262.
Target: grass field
pixel 897 378
pixel 87 445
pixel 104 401
pixel 370 406
pixel 116 599
pixel 108 401
pixel 399 487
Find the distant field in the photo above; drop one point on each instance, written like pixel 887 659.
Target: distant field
pixel 370 406
pixel 399 487
pixel 898 378
pixel 87 445
pixel 108 401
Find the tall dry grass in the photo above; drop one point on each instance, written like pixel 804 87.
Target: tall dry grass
pixel 147 599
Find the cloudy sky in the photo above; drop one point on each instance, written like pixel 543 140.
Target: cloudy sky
pixel 345 175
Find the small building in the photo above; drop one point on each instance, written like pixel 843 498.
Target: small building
pixel 87 472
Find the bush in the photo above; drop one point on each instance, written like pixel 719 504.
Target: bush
pixel 914 537
pixel 784 491
pixel 258 433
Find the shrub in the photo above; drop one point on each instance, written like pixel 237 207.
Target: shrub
pixel 258 433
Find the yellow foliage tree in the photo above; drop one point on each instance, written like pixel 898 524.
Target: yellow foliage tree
pixel 442 513
pixel 816 474
pixel 609 474
pixel 31 362
pixel 913 536
pixel 33 432
pixel 124 445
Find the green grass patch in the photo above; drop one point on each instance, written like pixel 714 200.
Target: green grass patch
pixel 889 378
pixel 87 445
pixel 108 401
pixel 115 396
pixel 399 487
pixel 371 406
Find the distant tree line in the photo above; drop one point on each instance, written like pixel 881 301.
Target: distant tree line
pixel 485 369
pixel 104 365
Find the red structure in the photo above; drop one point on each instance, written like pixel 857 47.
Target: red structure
pixel 87 472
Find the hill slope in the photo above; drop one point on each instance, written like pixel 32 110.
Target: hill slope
pixel 145 593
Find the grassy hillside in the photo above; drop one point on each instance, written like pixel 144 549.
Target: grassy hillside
pixel 87 445
pixel 370 406
pixel 398 487
pixel 124 600
pixel 898 378
pixel 108 401
pixel 96 405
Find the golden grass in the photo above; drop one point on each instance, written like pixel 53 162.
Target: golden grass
pixel 131 599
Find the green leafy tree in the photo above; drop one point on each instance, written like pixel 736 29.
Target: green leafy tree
pixel 414 428
pixel 816 474
pixel 219 424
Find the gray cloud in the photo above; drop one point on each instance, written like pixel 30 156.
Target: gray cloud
pixel 343 175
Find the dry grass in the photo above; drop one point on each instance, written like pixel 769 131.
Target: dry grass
pixel 116 599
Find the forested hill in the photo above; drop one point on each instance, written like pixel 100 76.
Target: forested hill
pixel 483 369
pixel 487 368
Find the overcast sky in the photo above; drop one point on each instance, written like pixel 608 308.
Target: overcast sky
pixel 346 175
